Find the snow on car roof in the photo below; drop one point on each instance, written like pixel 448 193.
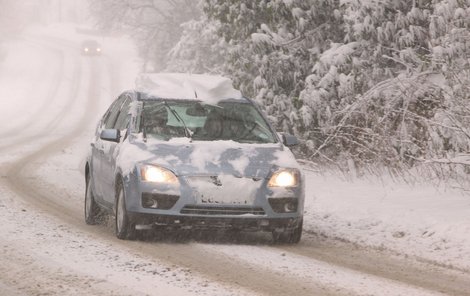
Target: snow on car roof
pixel 207 88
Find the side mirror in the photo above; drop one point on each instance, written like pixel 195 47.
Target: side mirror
pixel 289 140
pixel 112 135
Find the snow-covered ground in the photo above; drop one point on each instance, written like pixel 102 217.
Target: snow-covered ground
pixel 420 220
pixel 417 220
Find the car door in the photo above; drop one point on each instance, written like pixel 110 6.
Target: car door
pixel 111 149
pixel 95 160
pixel 100 148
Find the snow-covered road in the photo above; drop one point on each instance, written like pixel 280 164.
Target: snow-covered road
pixel 53 98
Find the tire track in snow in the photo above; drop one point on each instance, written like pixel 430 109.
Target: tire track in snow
pixel 218 268
pixel 14 176
pixel 377 263
pixel 51 93
pixel 195 256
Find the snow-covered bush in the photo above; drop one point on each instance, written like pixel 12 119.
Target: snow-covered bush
pixel 389 94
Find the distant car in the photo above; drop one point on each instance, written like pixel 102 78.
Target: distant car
pixel 189 152
pixel 90 47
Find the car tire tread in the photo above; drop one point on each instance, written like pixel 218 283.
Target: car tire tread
pixel 290 237
pixel 93 213
pixel 127 230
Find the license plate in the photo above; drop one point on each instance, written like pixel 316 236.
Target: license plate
pixel 224 190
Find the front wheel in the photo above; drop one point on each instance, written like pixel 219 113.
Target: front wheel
pixel 124 229
pixel 92 210
pixel 291 237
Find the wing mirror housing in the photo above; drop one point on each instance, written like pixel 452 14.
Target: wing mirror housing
pixel 112 135
pixel 289 140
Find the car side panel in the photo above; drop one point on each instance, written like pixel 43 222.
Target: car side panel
pixel 108 165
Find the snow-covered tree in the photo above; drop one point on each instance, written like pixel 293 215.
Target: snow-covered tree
pixel 379 95
pixel 200 49
pixel 272 46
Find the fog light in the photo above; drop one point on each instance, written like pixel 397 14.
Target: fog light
pixel 290 207
pixel 158 200
pixel 284 204
pixel 150 203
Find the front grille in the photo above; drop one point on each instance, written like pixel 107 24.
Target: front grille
pixel 208 210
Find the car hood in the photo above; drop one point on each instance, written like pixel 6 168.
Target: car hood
pixel 187 158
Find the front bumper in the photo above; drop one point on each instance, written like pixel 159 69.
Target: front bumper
pixel 256 207
pixel 200 223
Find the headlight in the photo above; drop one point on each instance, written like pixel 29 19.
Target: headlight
pixel 285 178
pixel 151 173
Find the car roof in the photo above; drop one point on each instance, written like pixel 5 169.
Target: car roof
pixel 201 87
pixel 90 42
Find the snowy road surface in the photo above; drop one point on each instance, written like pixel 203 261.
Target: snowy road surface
pixel 52 98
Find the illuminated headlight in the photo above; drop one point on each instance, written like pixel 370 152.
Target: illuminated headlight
pixel 285 178
pixel 98 49
pixel 85 49
pixel 151 173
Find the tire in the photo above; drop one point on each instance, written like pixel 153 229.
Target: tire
pixel 123 227
pixel 91 209
pixel 291 237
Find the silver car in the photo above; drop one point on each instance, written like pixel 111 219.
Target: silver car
pixel 189 155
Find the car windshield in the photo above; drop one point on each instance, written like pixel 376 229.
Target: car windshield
pixel 229 120
pixel 90 43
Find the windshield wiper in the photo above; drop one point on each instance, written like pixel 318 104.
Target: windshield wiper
pixel 187 131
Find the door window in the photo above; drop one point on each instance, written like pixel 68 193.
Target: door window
pixel 122 119
pixel 113 112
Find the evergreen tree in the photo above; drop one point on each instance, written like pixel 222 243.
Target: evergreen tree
pixel 272 46
pixel 374 96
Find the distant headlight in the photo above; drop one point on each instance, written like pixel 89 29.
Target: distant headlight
pixel 85 49
pixel 151 173
pixel 98 49
pixel 285 178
